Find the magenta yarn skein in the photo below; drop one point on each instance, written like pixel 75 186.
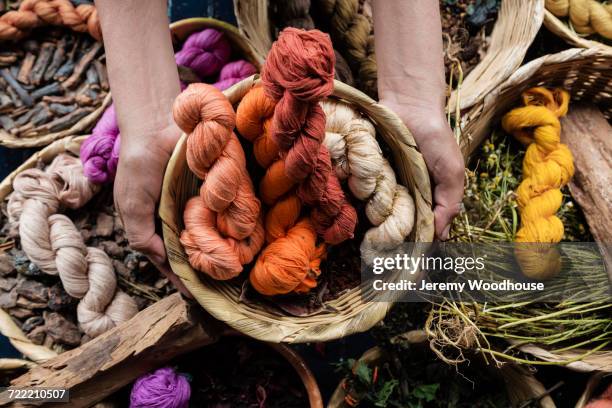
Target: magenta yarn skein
pixel 234 72
pixel 98 152
pixel 205 52
pixel 164 388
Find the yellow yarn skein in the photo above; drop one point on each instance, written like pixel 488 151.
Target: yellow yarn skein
pixel 587 16
pixel 547 167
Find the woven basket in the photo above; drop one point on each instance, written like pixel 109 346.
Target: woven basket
pixel 8 327
pixel 585 73
pixel 520 384
pixel 561 29
pixel 350 313
pixel 517 24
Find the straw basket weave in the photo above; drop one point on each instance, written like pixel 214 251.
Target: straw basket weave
pixel 520 384
pixel 563 30
pixel 8 327
pixel 585 73
pixel 347 314
pixel 517 24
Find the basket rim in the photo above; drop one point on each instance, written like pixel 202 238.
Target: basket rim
pixel 277 327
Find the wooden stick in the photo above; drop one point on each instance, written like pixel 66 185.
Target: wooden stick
pixel 22 93
pixel 168 328
pixel 82 65
pixel 42 62
pixel 589 136
pixel 26 68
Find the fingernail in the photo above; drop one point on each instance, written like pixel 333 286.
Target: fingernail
pixel 445 233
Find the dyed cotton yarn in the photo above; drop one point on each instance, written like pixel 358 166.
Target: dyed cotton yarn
pixel 31 14
pixel 100 152
pixel 356 156
pixel 223 228
pixel 207 53
pixel 547 167
pixel 298 73
pixel 55 245
pixel 164 388
pixel 291 261
pixel 586 16
pixel 234 72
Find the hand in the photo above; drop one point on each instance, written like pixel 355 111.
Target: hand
pixel 443 158
pixel 137 190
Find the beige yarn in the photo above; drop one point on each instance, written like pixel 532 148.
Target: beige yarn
pixel 53 243
pixel 587 16
pixel 356 156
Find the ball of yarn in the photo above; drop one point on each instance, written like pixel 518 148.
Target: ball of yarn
pixel 164 388
pixel 587 16
pixel 205 52
pixel 234 72
pixel 100 151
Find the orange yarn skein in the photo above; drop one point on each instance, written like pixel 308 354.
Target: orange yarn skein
pixel 223 229
pixel 298 73
pixel 291 262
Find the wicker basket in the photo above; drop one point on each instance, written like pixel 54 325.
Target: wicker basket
pixel 517 24
pixel 347 314
pixel 520 384
pixel 563 30
pixel 8 327
pixel 585 73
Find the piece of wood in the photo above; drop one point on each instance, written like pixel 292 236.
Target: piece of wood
pixel 168 328
pixel 589 136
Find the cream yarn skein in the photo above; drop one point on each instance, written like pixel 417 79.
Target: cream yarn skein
pixel 356 156
pixel 54 244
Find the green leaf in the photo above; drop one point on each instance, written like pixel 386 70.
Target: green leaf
pixel 383 395
pixel 426 392
pixel 364 373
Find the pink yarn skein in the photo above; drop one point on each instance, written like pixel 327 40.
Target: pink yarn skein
pixel 100 151
pixel 206 52
pixel 233 73
pixel 164 388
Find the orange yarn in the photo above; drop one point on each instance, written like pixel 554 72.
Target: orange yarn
pixel 298 73
pixel 287 141
pixel 35 13
pixel 223 228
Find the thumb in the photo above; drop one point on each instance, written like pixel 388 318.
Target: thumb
pixel 443 217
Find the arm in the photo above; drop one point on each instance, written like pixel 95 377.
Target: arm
pixel 411 82
pixel 144 82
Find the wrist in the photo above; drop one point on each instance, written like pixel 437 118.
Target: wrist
pixel 151 144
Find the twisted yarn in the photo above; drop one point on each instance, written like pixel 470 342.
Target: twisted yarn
pixel 296 13
pixel 547 167
pixel 223 229
pixel 587 16
pixel 298 73
pixel 31 14
pixel 291 261
pixel 356 156
pixel 164 388
pixel 353 31
pixel 204 52
pixel 54 244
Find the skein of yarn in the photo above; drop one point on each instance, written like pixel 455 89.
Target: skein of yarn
pixel 223 228
pixel 296 13
pixel 291 261
pixel 547 167
pixel 353 32
pixel 31 14
pixel 298 73
pixel 164 388
pixel 356 156
pixel 54 244
pixel 586 16
pixel 207 53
